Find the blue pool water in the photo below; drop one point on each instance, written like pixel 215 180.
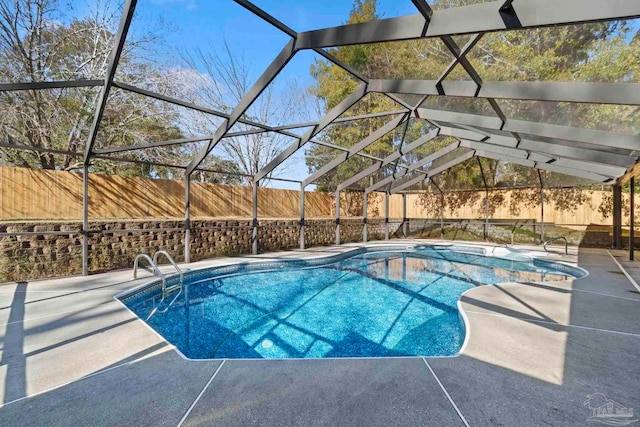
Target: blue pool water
pixel 396 303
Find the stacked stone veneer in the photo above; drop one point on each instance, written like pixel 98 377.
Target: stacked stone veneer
pixel 42 253
pixel 598 237
pixel 55 248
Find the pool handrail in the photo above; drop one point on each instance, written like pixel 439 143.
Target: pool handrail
pixel 152 264
pixel 166 290
pixel 566 244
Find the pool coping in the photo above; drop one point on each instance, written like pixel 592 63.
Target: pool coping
pixel 326 259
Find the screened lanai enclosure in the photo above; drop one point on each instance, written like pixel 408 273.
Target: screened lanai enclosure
pixel 462 103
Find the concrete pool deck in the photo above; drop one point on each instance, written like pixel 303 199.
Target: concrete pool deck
pixel 72 355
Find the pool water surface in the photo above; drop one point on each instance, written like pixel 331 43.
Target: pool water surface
pixel 374 304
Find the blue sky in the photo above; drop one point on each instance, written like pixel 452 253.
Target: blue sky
pixel 206 24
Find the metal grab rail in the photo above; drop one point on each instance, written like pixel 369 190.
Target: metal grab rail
pixel 165 290
pixel 152 263
pixel 566 244
pixel 164 310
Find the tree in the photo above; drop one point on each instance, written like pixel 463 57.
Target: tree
pixel 38 42
pixel 225 76
pixel 586 52
pixel 378 60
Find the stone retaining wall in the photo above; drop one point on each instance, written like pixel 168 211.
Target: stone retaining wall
pixel 55 248
pixel 596 236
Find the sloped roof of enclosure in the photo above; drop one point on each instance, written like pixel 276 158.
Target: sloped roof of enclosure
pixel 470 110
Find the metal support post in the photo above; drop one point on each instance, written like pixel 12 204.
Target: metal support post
pixel 617 217
pixel 187 219
pixel 486 215
pixel 254 210
pixel 405 224
pixel 442 215
pixel 486 196
pixel 386 216
pixel 85 220
pixel 542 214
pixel 364 217
pixel 631 218
pixel 541 207
pixel 301 216
pixel 337 217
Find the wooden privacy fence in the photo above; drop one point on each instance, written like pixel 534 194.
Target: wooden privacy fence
pixel 589 210
pixel 43 194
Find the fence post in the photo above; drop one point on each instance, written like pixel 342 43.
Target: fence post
pixel 254 210
pixel 187 218
pixel 85 220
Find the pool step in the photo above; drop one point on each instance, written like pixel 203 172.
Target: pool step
pixel 171 289
pixel 166 289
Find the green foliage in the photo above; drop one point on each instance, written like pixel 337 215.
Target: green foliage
pixel 217 178
pixel 594 52
pixel 50 47
pixel 38 42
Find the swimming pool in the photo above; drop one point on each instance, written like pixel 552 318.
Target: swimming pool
pixel 366 303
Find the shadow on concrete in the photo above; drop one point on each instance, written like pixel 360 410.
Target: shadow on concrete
pixel 13 357
pixel 68 293
pixel 154 390
pixel 486 387
pixel 530 370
